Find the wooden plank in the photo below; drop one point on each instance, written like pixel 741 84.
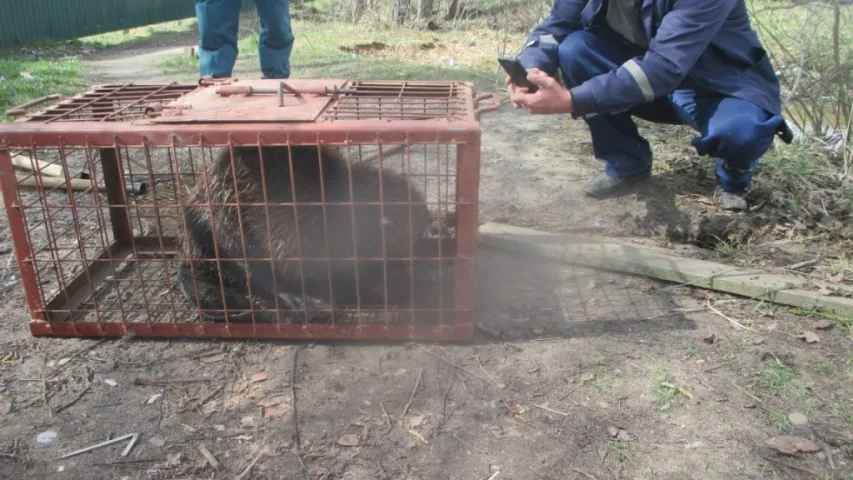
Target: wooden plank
pixel 785 289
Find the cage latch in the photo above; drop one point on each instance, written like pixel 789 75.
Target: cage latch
pixel 248 91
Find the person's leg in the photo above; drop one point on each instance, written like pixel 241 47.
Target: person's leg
pixel 616 142
pixel 217 26
pixel 276 38
pixel 736 133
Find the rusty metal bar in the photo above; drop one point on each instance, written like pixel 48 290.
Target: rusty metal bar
pixel 23 109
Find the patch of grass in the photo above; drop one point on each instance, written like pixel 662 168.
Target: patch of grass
pixel 658 369
pixel 178 63
pixel 329 50
pixel 802 180
pixel 820 366
pixel 780 420
pixel 693 350
pixel 621 451
pixel 668 392
pixel 777 378
pixel 25 79
pixel 726 248
pixel 843 321
pixel 141 34
pixel 599 379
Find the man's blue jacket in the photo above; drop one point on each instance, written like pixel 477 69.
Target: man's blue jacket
pixel 709 41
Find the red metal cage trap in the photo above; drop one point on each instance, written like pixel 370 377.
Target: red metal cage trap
pixel 114 194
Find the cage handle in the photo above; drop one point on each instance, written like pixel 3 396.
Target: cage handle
pixel 23 109
pixel 495 106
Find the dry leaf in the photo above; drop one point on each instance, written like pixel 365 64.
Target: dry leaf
pixel 710 339
pixel 822 325
pixel 272 401
pixel 259 377
pixel 809 337
pixel 275 412
pixel 838 278
pixel 256 395
pixel 619 434
pixel 790 445
pixel 515 410
pixel 825 292
pixel 348 440
pixel 417 435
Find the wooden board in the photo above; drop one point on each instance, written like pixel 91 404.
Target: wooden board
pixel 785 289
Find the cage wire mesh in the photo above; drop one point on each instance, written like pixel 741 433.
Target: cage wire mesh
pixel 113 230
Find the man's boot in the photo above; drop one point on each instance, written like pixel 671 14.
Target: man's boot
pixel 604 186
pixel 730 200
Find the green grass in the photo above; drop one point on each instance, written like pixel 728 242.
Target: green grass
pixel 140 35
pixel 843 321
pixel 337 50
pixel 48 76
pixel 777 378
pixel 599 379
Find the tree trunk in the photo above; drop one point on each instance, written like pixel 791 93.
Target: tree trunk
pixel 401 11
pixel 453 10
pixel 425 9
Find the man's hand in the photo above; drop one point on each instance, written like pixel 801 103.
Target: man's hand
pixel 551 98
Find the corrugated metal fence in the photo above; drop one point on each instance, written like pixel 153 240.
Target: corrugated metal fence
pixel 25 21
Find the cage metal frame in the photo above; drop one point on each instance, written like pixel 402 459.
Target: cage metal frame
pixel 109 131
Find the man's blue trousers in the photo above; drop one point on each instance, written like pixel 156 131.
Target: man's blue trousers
pixel 733 131
pixel 217 24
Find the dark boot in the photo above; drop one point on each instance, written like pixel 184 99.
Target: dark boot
pixel 730 200
pixel 604 186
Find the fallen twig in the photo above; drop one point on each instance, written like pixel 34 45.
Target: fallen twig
pixel 73 356
pixel 164 383
pixel 788 465
pixel 204 400
pixel 131 436
pixel 499 384
pixel 584 474
pixel 361 368
pixel 444 399
pixel 249 468
pixel 75 399
pixel 296 441
pixel 463 442
pixel 458 367
pixel 708 304
pixel 412 397
pixel 208 456
pixel 551 410
pixel 798 265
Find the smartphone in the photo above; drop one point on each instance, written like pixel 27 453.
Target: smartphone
pixel 517 73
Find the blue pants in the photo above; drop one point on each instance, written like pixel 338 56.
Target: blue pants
pixel 217 24
pixel 733 131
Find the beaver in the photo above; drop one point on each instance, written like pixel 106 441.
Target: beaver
pixel 324 233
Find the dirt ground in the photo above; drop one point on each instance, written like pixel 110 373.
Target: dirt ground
pixel 574 373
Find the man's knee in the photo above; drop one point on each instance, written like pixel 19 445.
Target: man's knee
pixel 584 55
pixel 741 139
pixel 278 36
pixel 276 31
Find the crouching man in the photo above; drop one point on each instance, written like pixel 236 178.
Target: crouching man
pixel 686 62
